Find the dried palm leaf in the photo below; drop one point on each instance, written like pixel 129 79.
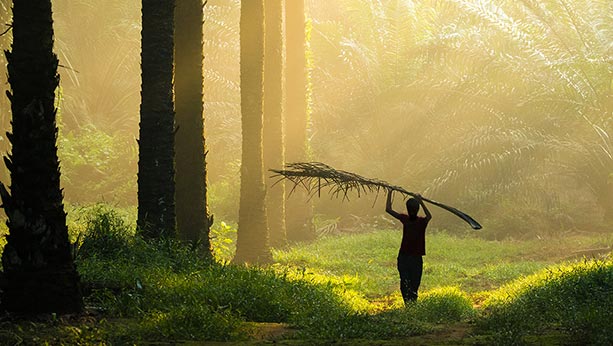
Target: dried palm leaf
pixel 314 176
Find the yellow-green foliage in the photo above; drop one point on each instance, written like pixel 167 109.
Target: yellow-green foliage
pixel 441 305
pixel 223 241
pixel 341 285
pixel 3 232
pixel 98 166
pixel 511 292
pixel 577 297
pixel 444 304
pixel 197 321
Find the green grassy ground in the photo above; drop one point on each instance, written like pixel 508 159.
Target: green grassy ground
pixel 367 262
pixel 339 289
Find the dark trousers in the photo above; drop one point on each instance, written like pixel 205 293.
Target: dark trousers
pixel 410 269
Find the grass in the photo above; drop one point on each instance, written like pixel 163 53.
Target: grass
pixel 574 297
pixel 338 289
pixel 168 292
pixel 367 262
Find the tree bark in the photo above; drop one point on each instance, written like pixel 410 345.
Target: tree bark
pixel 156 165
pixel 193 220
pixel 298 209
pixel 252 242
pixel 274 151
pixel 5 118
pixel 39 273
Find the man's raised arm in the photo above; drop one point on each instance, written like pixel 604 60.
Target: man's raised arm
pixel 388 206
pixel 423 205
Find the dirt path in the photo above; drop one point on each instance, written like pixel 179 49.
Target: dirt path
pixel 278 334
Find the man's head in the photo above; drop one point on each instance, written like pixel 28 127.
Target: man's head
pixel 412 207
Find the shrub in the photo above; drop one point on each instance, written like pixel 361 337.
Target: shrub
pixel 443 305
pixel 193 322
pixel 106 233
pixel 223 241
pixel 575 297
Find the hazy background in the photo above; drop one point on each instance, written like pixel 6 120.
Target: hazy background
pixel 503 109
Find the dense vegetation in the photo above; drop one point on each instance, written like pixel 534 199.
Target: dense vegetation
pixel 338 288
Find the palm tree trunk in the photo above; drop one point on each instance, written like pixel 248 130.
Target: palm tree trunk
pixel 299 211
pixel 156 166
pixel 252 242
pixel 39 272
pixel 5 119
pixel 274 150
pixel 193 220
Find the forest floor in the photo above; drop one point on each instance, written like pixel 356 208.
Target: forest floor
pixel 46 331
pixel 365 280
pixel 452 334
pixel 477 266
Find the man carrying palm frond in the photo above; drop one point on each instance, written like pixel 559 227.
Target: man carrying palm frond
pixel 413 245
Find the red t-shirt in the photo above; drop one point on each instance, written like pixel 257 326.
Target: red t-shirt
pixel 413 235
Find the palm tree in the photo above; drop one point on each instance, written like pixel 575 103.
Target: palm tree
pixel 273 119
pixel 193 220
pixel 252 241
pixel 299 212
pixel 5 39
pixel 39 272
pixel 156 166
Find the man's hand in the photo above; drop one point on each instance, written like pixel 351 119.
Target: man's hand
pixel 423 206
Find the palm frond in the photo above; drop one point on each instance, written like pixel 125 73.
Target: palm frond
pixel 315 176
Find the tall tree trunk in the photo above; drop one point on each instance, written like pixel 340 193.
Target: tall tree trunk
pixel 252 242
pixel 274 151
pixel 39 272
pixel 299 211
pixel 156 165
pixel 193 220
pixel 5 119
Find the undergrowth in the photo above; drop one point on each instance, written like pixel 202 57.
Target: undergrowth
pixel 174 293
pixel 163 291
pixel 576 298
pixel 170 293
pixel 443 305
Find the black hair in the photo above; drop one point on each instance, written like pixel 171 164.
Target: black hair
pixel 412 207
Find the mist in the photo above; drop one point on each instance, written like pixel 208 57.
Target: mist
pixel 501 110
